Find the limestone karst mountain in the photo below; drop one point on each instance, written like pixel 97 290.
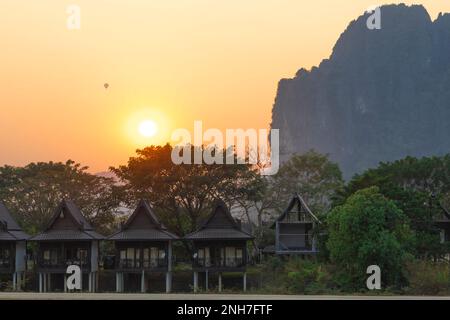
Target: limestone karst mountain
pixel 382 95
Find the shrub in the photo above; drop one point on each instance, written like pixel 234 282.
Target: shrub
pixel 368 229
pixel 307 277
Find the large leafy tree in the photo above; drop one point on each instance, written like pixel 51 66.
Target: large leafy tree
pixel 312 175
pixel 183 193
pixel 418 187
pixel 32 193
pixel 368 229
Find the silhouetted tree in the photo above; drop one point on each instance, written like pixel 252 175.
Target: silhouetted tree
pixel 33 192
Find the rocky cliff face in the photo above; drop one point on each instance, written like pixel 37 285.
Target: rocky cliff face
pixel 382 95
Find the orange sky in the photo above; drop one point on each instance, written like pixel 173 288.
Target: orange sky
pixel 173 60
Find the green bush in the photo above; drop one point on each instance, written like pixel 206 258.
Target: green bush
pixel 368 229
pixel 307 277
pixel 273 264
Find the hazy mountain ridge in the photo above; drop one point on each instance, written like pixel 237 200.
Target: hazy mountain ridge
pixel 382 95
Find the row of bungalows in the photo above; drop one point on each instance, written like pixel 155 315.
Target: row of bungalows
pixel 143 246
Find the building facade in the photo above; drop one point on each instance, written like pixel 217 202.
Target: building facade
pixel 12 248
pixel 143 246
pixel 219 246
pixel 67 240
pixel 294 229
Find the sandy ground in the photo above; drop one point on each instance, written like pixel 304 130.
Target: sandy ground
pixel 116 296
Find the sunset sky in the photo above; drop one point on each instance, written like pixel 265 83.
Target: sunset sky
pixel 169 61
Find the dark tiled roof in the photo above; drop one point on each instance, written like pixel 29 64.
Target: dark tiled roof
pixel 220 225
pixel 445 212
pixel 67 235
pixel 296 199
pixel 143 234
pixel 74 212
pixel 19 235
pixel 6 236
pixel 5 216
pixel 79 230
pixel 148 211
pixel 217 234
pixel 12 232
pixel 150 228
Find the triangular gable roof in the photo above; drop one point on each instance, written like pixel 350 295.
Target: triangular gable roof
pixel 145 208
pixel 220 211
pixel 75 213
pixel 82 229
pixel 6 217
pixel 155 230
pixel 219 225
pixel 301 204
pixel 446 214
pixel 9 229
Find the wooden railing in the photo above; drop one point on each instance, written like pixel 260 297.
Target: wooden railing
pixel 62 263
pixel 139 264
pixel 228 262
pixel 5 263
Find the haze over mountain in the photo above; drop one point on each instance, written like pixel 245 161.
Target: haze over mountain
pixel 382 95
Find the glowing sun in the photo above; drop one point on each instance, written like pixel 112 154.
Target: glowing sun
pixel 148 128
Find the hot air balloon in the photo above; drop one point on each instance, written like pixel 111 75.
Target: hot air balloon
pixel 106 85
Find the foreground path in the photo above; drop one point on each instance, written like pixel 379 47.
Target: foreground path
pixel 187 296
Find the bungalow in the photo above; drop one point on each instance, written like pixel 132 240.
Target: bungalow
pixel 219 246
pixel 12 248
pixel 443 224
pixel 68 239
pixel 294 229
pixel 143 246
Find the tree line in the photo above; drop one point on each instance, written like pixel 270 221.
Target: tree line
pixel 383 216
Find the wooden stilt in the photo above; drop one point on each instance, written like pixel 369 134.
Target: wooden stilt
pixel 15 281
pixel 117 281
pixel 143 282
pixel 195 281
pixel 40 282
pixel 49 285
pixel 168 282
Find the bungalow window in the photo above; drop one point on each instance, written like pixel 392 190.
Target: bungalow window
pixel 138 258
pixel 153 257
pixel 162 255
pixel 130 258
pixel 82 255
pixel 123 258
pixel 146 258
pixel 233 256
pixel 78 256
pixel 230 254
pixel 204 257
pixel 4 257
pixel 50 256
pixel 239 256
